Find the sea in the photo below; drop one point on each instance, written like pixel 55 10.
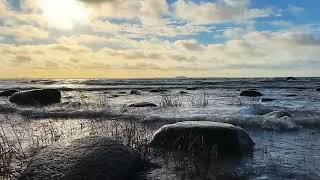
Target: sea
pixel 284 122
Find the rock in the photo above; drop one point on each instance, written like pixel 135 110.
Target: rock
pixel 86 158
pixel 158 90
pixel 122 92
pixel 36 97
pixel 191 88
pixel 267 99
pixel 183 92
pixel 318 89
pixel 291 95
pixel 251 93
pixel 135 92
pixel 7 93
pixel 290 79
pixel 228 139
pixel 142 104
pixel 280 114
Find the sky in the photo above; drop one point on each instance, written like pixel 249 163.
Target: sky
pixel 159 38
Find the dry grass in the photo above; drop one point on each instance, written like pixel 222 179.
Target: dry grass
pixel 169 101
pixel 201 100
pixel 21 138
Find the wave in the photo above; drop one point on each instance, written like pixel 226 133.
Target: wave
pixel 249 117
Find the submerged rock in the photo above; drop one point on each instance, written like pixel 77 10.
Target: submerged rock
pixel 36 97
pixel 86 158
pixel 158 90
pixel 291 95
pixel 143 104
pixel 7 93
pixel 191 88
pixel 280 114
pixel 114 96
pixel 291 78
pixel 135 92
pixel 181 136
pixel 183 92
pixel 251 93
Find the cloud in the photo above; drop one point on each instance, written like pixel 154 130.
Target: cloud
pixel 233 33
pixel 24 32
pixel 157 36
pixel 281 23
pixel 211 12
pixel 147 11
pixel 83 39
pixel 21 59
pixel 295 9
pixel 190 45
pixel 142 66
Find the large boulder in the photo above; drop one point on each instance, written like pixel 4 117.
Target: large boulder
pixel 203 135
pixel 7 93
pixel 251 93
pixel 86 158
pixel 36 97
pixel 143 104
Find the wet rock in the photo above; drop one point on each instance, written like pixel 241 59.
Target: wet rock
pixel 7 93
pixel 251 93
pixel 143 104
pixel 227 138
pixel 135 92
pixel 68 97
pixel 158 90
pixel 191 88
pixel 36 97
pixel 290 79
pixel 291 95
pixel 267 99
pixel 114 96
pixel 86 158
pixel 43 81
pixel 183 92
pixel 280 114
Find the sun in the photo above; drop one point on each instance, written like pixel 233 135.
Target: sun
pixel 64 14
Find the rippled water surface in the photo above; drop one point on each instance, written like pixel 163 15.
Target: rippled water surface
pixel 286 130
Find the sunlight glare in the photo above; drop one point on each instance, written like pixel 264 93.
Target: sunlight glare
pixel 64 14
